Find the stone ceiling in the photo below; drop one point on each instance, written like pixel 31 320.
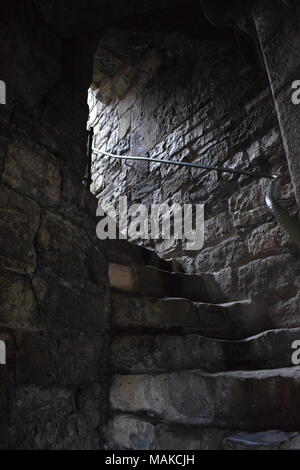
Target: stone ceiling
pixel 129 53
pixel 70 16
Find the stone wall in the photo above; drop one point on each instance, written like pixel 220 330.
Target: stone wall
pixel 177 98
pixel 206 103
pixel 278 28
pixel 54 298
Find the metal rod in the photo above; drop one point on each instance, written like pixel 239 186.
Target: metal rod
pixel 289 224
pixel 87 180
pixel 193 165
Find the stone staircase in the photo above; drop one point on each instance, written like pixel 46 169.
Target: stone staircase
pixel 194 372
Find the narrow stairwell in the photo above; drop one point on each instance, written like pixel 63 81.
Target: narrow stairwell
pixel 192 371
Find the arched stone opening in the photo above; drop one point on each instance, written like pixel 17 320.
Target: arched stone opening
pixel 198 98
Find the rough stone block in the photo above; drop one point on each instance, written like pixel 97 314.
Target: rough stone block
pixel 124 125
pixel 92 400
pixel 228 253
pixel 150 281
pixel 17 299
pixel 231 320
pixel 32 171
pixel 271 277
pixel 268 398
pixel 64 307
pixel 120 277
pixel 128 432
pixel 41 417
pixel 19 222
pixel 265 440
pixel 266 240
pixel 140 313
pixel 80 358
pixel 62 249
pixel 217 228
pixel 247 207
pixel 132 433
pixel 138 354
pixel 289 117
pixel 285 313
pixel 278 29
pixel 36 359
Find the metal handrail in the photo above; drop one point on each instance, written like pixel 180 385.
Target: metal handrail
pixel 291 225
pixel 87 180
pixel 187 164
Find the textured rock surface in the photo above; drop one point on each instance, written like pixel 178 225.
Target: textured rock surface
pixel 150 281
pixel 54 307
pixel 167 352
pixel 268 440
pixel 129 432
pixel 176 98
pixel 232 321
pixel 278 32
pixel 267 398
pixel 213 114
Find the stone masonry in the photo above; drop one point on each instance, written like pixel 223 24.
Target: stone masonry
pixel 83 367
pixel 53 290
pixel 203 103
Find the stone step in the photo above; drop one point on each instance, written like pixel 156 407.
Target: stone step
pixel 127 432
pixel 265 440
pixel 124 252
pixel 235 320
pixel 168 352
pixel 153 282
pixel 241 400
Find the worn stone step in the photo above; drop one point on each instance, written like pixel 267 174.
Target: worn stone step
pixel 129 432
pixel 153 282
pixel 125 252
pixel 233 320
pixel 169 352
pixel 265 440
pixel 241 400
